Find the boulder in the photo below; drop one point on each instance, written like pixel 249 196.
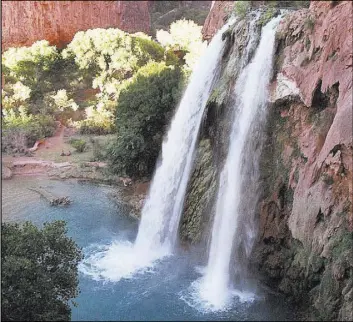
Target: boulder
pixel 6 173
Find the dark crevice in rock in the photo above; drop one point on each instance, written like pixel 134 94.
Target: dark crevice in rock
pixel 322 100
pixel 281 195
pixel 320 217
pixel 335 149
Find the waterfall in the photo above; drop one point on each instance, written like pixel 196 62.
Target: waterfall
pixel 161 213
pixel 230 223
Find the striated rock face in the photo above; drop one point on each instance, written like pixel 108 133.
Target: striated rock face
pixel 215 19
pixel 306 219
pixel 24 22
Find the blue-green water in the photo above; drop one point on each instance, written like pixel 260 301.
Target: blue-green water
pixel 94 221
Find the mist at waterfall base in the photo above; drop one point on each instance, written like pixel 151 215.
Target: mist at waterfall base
pixel 161 213
pixel 233 228
pixel 93 220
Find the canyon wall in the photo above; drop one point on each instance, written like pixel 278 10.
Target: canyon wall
pixel 24 22
pixel 215 19
pixel 306 221
pixel 305 217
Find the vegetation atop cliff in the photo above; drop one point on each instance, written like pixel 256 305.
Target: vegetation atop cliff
pixel 164 13
pixel 94 85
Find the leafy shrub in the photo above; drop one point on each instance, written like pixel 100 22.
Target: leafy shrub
pixel 111 55
pixel 39 272
pixel 184 36
pixel 21 130
pixel 78 144
pixel 57 104
pixel 32 65
pixel 99 150
pixel 166 12
pixel 99 121
pixel 14 140
pixel 292 4
pixel 15 95
pixel 267 15
pixel 241 8
pixel 144 109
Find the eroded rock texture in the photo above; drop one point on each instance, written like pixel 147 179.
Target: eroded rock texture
pixel 306 225
pixel 24 22
pixel 215 19
pixel 304 246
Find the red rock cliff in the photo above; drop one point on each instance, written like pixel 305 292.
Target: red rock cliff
pixel 309 153
pixel 215 18
pixel 24 22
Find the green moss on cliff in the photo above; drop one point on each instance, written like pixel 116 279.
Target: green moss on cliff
pixel 199 196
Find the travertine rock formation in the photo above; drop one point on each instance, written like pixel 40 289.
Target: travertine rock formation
pixel 24 22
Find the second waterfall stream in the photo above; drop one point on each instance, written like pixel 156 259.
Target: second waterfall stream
pixel 161 213
pixel 232 231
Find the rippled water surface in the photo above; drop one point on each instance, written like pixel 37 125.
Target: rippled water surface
pixel 94 221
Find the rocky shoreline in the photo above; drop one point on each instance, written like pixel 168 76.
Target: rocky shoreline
pixel 129 194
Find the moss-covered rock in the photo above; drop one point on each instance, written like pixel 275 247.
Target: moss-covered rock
pixel 200 195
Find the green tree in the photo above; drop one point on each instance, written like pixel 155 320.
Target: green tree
pixel 184 36
pixel 33 66
pixel 111 56
pixel 39 272
pixel 144 108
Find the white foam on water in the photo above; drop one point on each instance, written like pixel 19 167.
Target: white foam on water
pixel 117 260
pixel 198 296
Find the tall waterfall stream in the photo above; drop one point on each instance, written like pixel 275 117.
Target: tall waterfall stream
pixel 228 231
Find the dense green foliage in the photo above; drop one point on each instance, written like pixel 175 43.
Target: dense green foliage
pixel 78 144
pixel 31 98
pixel 39 272
pixel 19 128
pixel 144 109
pixel 110 56
pixel 105 81
pixel 241 8
pixel 99 120
pixel 186 37
pixel 33 66
pixel 268 14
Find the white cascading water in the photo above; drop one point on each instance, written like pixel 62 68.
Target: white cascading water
pixel 161 213
pixel 214 288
